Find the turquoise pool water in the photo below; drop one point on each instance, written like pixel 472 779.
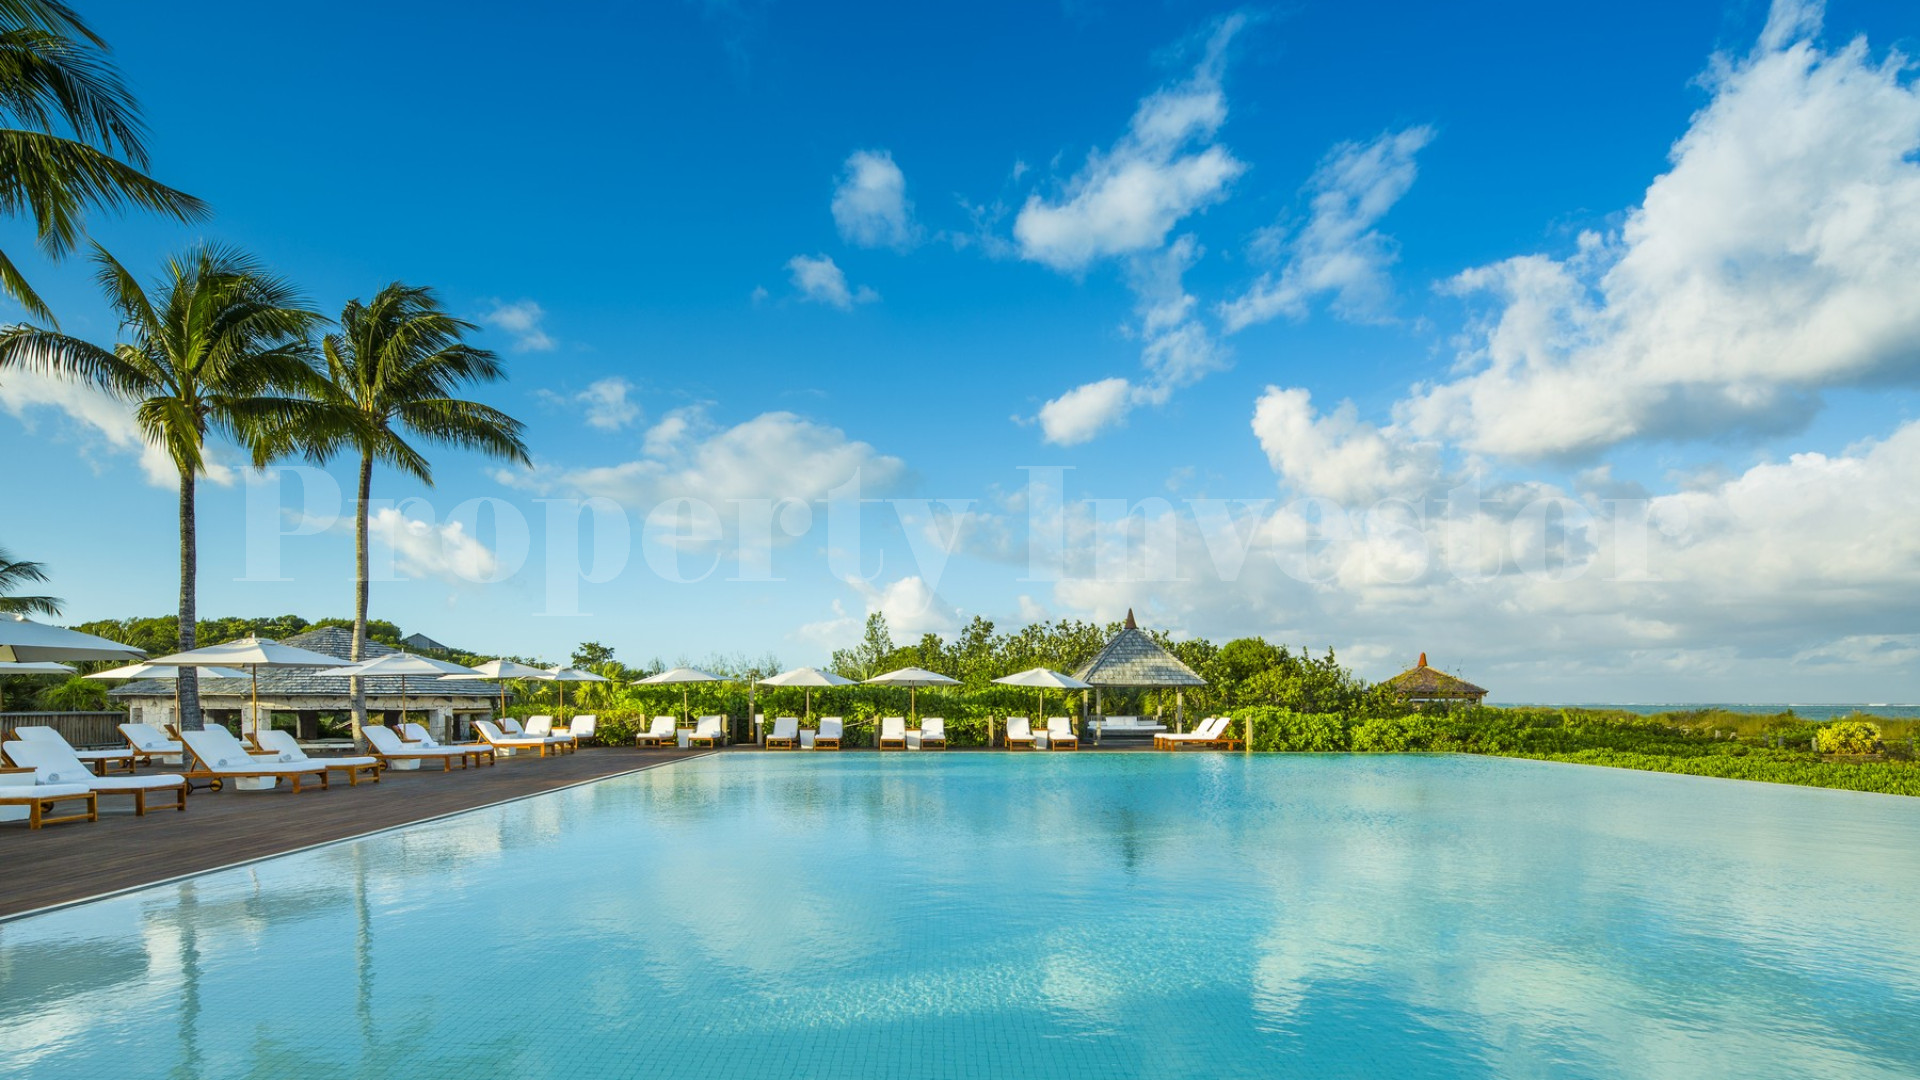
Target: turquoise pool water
pixel 974 916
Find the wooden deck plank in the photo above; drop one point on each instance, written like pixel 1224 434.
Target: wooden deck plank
pixel 64 863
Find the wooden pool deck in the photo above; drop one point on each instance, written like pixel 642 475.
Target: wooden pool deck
pixel 61 864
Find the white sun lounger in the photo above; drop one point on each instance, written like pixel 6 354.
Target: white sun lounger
pixel 22 796
pixel 660 734
pixel 284 744
pixel 785 734
pixel 541 727
pixel 1208 728
pixel 933 733
pixel 149 742
pixel 893 733
pixel 415 734
pixel 1060 733
pixel 1019 733
pixel 499 740
pixel 99 760
pixel 387 745
pixel 512 727
pixel 582 726
pixel 706 730
pixel 56 765
pixel 832 730
pixel 221 756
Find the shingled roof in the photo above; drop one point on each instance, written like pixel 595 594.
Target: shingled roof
pixel 1134 659
pixel 335 641
pixel 1422 683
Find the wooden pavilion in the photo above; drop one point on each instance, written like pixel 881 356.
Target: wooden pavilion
pixel 1134 661
pixel 1423 685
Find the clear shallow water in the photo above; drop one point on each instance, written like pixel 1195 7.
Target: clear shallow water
pixel 1044 916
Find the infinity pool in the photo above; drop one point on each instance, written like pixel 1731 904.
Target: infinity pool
pixel 976 916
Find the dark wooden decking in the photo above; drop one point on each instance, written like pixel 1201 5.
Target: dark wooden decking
pixel 63 863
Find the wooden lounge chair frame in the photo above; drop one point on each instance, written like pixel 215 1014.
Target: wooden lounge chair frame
pixel 97 765
pixel 712 740
pixel 828 742
pixel 650 738
pixel 880 740
pixel 470 754
pixel 1070 740
pixel 219 777
pixel 507 743
pixel 38 807
pixel 1010 742
pixel 935 742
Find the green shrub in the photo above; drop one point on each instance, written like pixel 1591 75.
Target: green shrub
pixel 1847 737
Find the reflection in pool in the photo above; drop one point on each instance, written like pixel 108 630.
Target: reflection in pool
pixel 971 915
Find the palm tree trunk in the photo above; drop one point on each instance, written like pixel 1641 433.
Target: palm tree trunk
pixel 360 593
pixel 189 681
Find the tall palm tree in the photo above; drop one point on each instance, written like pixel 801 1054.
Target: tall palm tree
pixel 72 139
pixel 392 372
pixel 17 572
pixel 217 348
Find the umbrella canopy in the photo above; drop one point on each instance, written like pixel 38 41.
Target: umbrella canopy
pixel 404 664
pixel 682 676
pixel 23 641
pixel 808 678
pixel 163 672
pixel 913 678
pixel 36 667
pixel 565 675
pixel 252 653
pixel 1043 680
pixel 502 670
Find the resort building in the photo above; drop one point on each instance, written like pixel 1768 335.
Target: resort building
pixel 1134 661
pixel 304 695
pixel 1422 685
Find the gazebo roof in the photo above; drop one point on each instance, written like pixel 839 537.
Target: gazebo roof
pixel 1421 681
pixel 1134 659
pixel 336 641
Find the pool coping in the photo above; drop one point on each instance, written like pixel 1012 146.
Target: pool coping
pixel 355 838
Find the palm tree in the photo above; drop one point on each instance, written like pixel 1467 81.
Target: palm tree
pixel 13 574
pixel 392 370
pixel 216 348
pixel 73 139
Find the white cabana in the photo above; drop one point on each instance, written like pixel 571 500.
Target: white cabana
pixel 913 679
pixel 682 677
pixel 23 641
pixel 809 679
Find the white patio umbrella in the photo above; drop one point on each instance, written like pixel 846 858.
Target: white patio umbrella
pixel 913 678
pixel 252 654
pixel 809 678
pixel 164 673
pixel 682 676
pixel 1043 680
pixel 565 675
pixel 404 664
pixel 30 667
pixel 502 670
pixel 23 641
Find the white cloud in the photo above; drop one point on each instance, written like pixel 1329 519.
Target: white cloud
pixel 425 549
pixel 521 320
pixel 608 407
pixel 911 608
pixel 1085 411
pixel 821 281
pixel 1338 251
pixel 870 204
pixel 1767 264
pixel 1129 198
pixel 1338 456
pixel 109 418
pixel 772 456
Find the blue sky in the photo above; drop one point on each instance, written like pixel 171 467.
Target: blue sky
pixel 1608 264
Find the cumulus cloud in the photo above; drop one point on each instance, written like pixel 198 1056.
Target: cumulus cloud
pixel 870 204
pixel 608 405
pixel 1338 251
pixel 424 549
pixel 1085 411
pixel 102 417
pixel 1338 456
pixel 911 607
pixel 1129 197
pixel 521 320
pixel 1770 262
pixel 820 280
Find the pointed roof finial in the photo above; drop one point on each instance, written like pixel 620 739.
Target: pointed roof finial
pixel 1423 659
pixel 1131 625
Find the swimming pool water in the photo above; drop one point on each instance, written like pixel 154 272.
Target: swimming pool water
pixel 976 916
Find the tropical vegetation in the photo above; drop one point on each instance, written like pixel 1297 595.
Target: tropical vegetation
pixel 14 575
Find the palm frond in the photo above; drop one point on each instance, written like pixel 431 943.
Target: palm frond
pixel 56 180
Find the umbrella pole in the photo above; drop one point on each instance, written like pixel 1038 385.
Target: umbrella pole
pixel 255 669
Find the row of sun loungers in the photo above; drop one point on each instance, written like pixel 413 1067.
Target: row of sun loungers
pixel 53 782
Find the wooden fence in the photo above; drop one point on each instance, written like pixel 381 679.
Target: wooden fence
pixel 81 729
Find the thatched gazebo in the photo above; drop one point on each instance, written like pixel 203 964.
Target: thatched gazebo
pixel 1134 661
pixel 1422 685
